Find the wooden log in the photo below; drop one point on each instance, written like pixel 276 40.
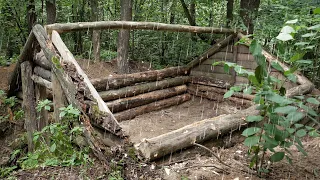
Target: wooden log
pixel 29 103
pixel 85 26
pixel 210 69
pixel 143 88
pixel 59 99
pixel 215 48
pixel 41 60
pixel 45 74
pixel 41 81
pixel 99 113
pixel 225 77
pixel 142 99
pixel 212 95
pixel 197 132
pixel 118 81
pixel 132 113
pixel 220 91
pixel 209 82
pixel 26 55
pixel 41 94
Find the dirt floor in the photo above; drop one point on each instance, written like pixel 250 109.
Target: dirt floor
pixel 193 163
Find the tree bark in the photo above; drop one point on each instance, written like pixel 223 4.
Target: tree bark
pixel 207 92
pixel 146 98
pixel 118 81
pixel 45 74
pixel 84 26
pixel 95 33
pixel 197 132
pixel 123 38
pixel 51 11
pixel 248 12
pixel 41 94
pixel 29 102
pixel 229 12
pixel 41 60
pixel 132 113
pixel 142 88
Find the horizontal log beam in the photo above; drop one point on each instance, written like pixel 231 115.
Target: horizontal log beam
pixel 41 81
pixel 158 105
pixel 197 132
pixel 45 74
pixel 143 88
pixel 41 60
pixel 142 99
pixel 85 26
pixel 118 81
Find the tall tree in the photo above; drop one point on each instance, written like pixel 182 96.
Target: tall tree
pixel 95 33
pixel 229 12
pixel 123 38
pixel 51 11
pixel 31 14
pixel 248 12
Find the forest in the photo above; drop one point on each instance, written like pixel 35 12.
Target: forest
pixel 165 89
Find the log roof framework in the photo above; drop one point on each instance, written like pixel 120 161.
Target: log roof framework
pixel 76 88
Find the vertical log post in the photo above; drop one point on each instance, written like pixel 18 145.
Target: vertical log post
pixel 29 102
pixel 41 94
pixel 59 99
pixel 234 60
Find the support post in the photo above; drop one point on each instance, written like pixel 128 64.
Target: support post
pixel 59 99
pixel 29 102
pixel 41 94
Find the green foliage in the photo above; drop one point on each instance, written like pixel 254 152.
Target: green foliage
pixel 107 55
pixel 45 104
pixel 54 143
pixel 279 114
pixel 9 108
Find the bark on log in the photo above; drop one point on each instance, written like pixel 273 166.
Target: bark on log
pixel 197 132
pixel 142 99
pixel 41 81
pixel 118 81
pixel 220 91
pixel 142 88
pixel 215 48
pixel 67 27
pixel 41 94
pixel 45 74
pixel 26 55
pixel 202 91
pixel 29 102
pixel 132 113
pixel 209 82
pixel 41 60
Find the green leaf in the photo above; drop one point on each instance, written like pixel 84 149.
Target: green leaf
pixel 314 133
pixel 313 101
pixel 254 118
pixel 301 150
pixel 284 37
pixel 301 133
pixel 251 141
pixel 277 66
pixel 297 125
pixel 292 77
pixel 228 94
pixel 290 130
pixel 226 68
pixel 314 27
pixel 278 156
pixel 53 147
pixel 309 35
pixel 278 99
pixel 308 110
pixel 248 90
pixel 295 116
pixel 250 131
pixel 255 48
pixel 292 21
pixel 316 11
pixel 287 30
pixel 285 109
pixel 297 56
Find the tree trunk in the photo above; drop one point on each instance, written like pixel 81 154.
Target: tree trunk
pixel 248 12
pixel 146 98
pixel 142 88
pixel 229 12
pixel 123 38
pixel 95 33
pixel 132 113
pixel 51 11
pixel 31 14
